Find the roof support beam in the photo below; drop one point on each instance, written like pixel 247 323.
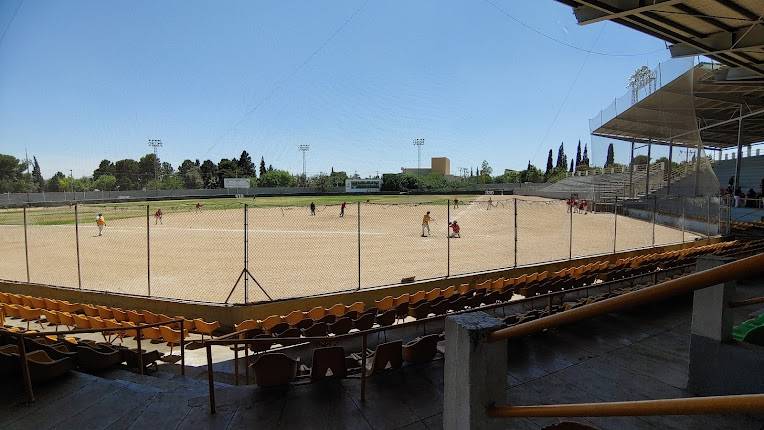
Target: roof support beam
pixel 621 8
pixel 746 39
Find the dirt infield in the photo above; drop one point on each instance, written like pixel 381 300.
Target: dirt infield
pixel 197 255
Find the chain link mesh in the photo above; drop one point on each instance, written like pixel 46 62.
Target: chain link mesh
pixel 12 255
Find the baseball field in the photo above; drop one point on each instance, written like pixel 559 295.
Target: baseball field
pixel 197 253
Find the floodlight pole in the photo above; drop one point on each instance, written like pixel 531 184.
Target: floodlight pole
pixel 739 150
pixel 670 157
pixel 156 144
pixel 304 149
pixel 647 174
pixel 631 171
pixel 419 143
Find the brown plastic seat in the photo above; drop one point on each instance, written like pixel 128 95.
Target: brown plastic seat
pixel 319 329
pixel 105 313
pixel 150 317
pixel 279 328
pixel 420 311
pixel 386 318
pixel 316 313
pixel 385 303
pixel 463 288
pixel 328 319
pixel 337 310
pixel 135 317
pixel 67 319
pixel 364 322
pixel 341 326
pixel 402 311
pixel 294 317
pixel 350 314
pixel 51 305
pixel 403 298
pixel 328 362
pixel 36 302
pixel 271 321
pixel 88 310
pixel 274 369
pixel 356 307
pixel 421 350
pixel 448 292
pixel 71 308
pixel 119 314
pixel 203 327
pixel 51 317
pixel 386 356
pixel 307 322
pixel 30 314
pixel 433 294
pixel 417 297
pixel 247 325
pixel 171 336
pixel 11 310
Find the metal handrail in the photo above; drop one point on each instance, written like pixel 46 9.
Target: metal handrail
pixel 138 330
pixel 664 290
pixel 747 403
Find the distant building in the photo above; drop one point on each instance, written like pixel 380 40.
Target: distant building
pixel 438 166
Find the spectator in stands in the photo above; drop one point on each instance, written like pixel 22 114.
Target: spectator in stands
pixel 342 209
pixel 312 209
pixel 100 222
pixel 426 223
pixel 455 228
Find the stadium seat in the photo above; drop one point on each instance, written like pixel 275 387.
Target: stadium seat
pixel 356 306
pixel 135 317
pixel 88 310
pixel 30 314
pixel 464 289
pixel 449 291
pixel 274 369
pixel 386 356
pixel 386 318
pixel 172 337
pixel 94 357
pixel 51 305
pixel 316 313
pixel 364 322
pixel 150 317
pixel 433 294
pixel 307 322
pixel 203 327
pixel 278 329
pixel 119 314
pixel 247 325
pixel 403 298
pixel 485 285
pixel 497 284
pixel 52 318
pixel 420 310
pixel 71 308
pixel 36 302
pixel 294 317
pixel 337 310
pixel 328 319
pixel 402 311
pixel 268 323
pixel 417 297
pixel 386 303
pixel 341 326
pixel 328 362
pixel 105 312
pixel 319 329
pixel 421 350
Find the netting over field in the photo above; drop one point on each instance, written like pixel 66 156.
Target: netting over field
pixel 198 253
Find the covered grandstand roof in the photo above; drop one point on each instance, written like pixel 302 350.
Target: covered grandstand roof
pixel 692 107
pixel 728 31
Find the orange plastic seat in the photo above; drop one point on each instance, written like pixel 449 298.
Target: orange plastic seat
pixel 294 317
pixel 433 294
pixel 356 307
pixel 337 310
pixel 417 297
pixel 317 313
pixel 385 303
pixel 448 292
pixel 271 322
pixel 105 313
pixel 119 314
pixel 203 327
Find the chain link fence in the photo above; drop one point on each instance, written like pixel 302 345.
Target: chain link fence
pixel 246 253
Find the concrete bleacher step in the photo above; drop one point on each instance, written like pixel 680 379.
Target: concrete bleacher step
pixel 164 381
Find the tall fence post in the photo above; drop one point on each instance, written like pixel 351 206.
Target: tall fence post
pixel 683 217
pixel 515 227
pixel 448 238
pixel 77 243
pixel 26 243
pixel 708 216
pixel 246 253
pixel 358 206
pixel 570 236
pixel 655 209
pixel 148 252
pixel 615 224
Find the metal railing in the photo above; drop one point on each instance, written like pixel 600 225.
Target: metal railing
pixel 26 377
pixel 681 406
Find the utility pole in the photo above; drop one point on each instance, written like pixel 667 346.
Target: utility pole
pixel 419 143
pixel 156 144
pixel 304 149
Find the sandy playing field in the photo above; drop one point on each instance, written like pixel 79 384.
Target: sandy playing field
pixel 199 255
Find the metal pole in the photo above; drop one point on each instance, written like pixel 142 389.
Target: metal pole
pixel 655 209
pixel 570 236
pixel 182 349
pixel 670 157
pixel 148 252
pixel 26 242
pixel 246 254
pixel 363 368
pixel 615 224
pixel 210 379
pixel 515 227
pixel 25 369
pixel 647 174
pixel 683 219
pixel 77 242
pixel 631 171
pixel 739 150
pixel 448 238
pixel 140 350
pixel 358 206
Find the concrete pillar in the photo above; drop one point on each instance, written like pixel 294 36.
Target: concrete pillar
pixel 711 317
pixel 475 374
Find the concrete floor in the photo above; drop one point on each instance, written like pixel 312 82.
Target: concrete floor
pixel 642 354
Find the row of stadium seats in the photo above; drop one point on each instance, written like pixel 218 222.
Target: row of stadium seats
pixel 274 369
pixel 438 301
pixel 84 316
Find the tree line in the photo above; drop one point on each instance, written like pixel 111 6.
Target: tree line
pixel 150 173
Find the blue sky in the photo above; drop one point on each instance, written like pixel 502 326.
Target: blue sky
pixel 85 80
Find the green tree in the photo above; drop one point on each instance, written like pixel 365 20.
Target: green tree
pixel 531 174
pixel 105 167
pixel 639 159
pixel 105 183
pixel 128 174
pixel 262 166
pixel 585 157
pixel 227 169
pixel 56 182
pixel 485 171
pixel 185 166
pixel 578 154
pixel 209 171
pixel 246 166
pixel 37 178
pixel 277 178
pixel 562 159
pixel 610 160
pixel 192 178
pixel 148 168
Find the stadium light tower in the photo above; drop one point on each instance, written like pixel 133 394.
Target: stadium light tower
pixel 156 144
pixel 304 149
pixel 419 143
